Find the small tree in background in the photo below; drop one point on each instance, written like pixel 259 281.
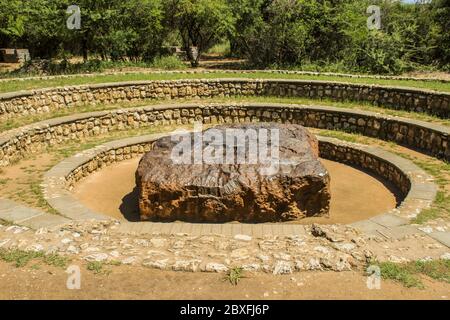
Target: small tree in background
pixel 12 22
pixel 441 17
pixel 201 24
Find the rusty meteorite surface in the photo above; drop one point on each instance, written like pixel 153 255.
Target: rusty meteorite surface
pixel 235 192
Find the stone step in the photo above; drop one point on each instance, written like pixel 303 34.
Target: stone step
pixel 442 237
pixel 15 213
pixel 46 220
pixel 32 218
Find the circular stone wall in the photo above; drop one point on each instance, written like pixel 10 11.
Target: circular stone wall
pixel 420 190
pixel 46 100
pixel 416 190
pixel 427 137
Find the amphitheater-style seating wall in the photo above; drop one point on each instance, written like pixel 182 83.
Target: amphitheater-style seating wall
pixel 429 138
pixel 45 100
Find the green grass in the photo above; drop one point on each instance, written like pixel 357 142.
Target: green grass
pixel 10 86
pixel 344 136
pixel 5 222
pixel 222 49
pixel 55 260
pixel 169 63
pixel 440 170
pixel 95 266
pixel 21 258
pixel 409 274
pixel 436 168
pixel 234 275
pixel 35 189
pixel 98 267
pixel 439 209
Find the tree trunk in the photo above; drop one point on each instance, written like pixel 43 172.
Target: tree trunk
pixel 84 49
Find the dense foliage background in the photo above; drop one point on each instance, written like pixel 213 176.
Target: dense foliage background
pixel 323 34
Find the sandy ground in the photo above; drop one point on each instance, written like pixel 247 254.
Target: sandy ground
pixel 7 67
pixel 429 75
pixel 20 182
pixel 124 282
pixel 369 196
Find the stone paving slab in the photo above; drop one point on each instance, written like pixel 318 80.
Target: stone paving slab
pixel 389 220
pixel 424 194
pixel 216 228
pixel 186 228
pixel 442 237
pixel 299 230
pixel 14 212
pixel 29 217
pixel 206 228
pixel 401 231
pixel 6 204
pixel 46 220
pixel 369 227
pixel 176 227
pixel 199 229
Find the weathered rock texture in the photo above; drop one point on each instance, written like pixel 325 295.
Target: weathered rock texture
pixel 236 192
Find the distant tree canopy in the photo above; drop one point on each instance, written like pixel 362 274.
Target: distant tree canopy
pixel 201 23
pixel 269 33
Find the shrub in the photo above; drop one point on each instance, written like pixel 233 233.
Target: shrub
pixel 168 63
pixel 222 49
pixel 381 53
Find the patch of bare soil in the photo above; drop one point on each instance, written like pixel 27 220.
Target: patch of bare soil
pixel 126 282
pixel 428 75
pixel 355 195
pixel 8 67
pixel 21 181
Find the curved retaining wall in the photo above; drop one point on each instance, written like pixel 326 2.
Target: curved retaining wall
pixel 45 100
pixel 212 71
pixel 414 184
pixel 429 138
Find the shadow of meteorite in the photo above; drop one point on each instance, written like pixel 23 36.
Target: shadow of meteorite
pixel 130 206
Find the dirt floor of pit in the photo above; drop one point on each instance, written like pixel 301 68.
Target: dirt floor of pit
pixel 355 195
pixel 126 282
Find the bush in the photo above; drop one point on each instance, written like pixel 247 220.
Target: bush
pixel 168 63
pixel 381 53
pixel 66 67
pixel 222 49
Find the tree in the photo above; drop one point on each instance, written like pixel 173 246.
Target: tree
pixel 143 22
pixel 12 22
pixel 292 32
pixel 45 28
pixel 117 30
pixel 441 17
pixel 201 24
pixel 247 14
